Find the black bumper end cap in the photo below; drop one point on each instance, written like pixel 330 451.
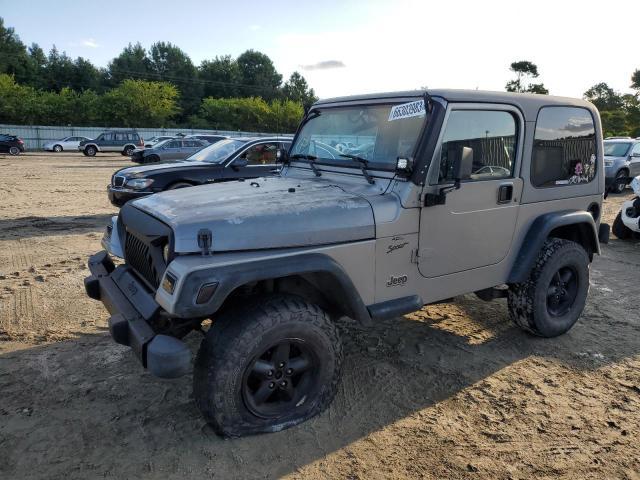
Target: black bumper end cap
pixel 119 329
pixel 92 287
pixel 604 231
pixel 168 357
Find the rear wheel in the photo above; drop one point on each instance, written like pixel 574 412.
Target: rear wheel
pixel 551 300
pixel 14 151
pixel 57 148
pixel 128 150
pixel 620 230
pixel 267 366
pixel 90 151
pixel 151 159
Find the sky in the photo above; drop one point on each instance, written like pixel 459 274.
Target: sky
pixel 349 47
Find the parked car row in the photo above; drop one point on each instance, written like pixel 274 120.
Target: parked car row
pixel 228 159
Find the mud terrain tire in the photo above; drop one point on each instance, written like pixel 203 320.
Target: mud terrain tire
pixel 551 300
pixel 243 358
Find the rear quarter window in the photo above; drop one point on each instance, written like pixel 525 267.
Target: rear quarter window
pixel 564 147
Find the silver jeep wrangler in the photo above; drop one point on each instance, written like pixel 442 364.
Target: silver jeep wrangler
pixel 385 203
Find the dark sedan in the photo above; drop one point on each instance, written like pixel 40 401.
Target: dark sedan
pixel 228 159
pixel 11 144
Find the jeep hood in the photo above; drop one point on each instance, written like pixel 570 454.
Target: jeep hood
pixel 263 213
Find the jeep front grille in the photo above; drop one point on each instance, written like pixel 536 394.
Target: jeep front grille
pixel 140 257
pixel 118 181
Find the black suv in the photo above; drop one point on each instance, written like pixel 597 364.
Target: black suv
pixel 11 144
pixel 123 141
pixel 228 159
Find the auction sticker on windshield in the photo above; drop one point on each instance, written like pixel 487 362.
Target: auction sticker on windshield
pixel 407 110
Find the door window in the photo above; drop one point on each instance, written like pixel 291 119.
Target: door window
pixel 491 134
pixel 636 150
pixel 106 137
pixel 564 147
pixel 173 144
pixel 261 154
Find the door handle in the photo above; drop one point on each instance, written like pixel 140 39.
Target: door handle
pixel 505 193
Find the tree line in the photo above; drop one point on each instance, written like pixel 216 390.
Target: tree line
pixel 155 87
pixel 620 113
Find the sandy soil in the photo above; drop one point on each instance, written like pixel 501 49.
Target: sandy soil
pixel 452 391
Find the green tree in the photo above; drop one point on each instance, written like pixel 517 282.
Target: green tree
pixel 525 71
pixel 14 59
pixel 258 74
pixel 603 97
pixel 140 103
pixel 132 62
pixel 59 71
pixel 635 80
pixel 297 89
pixel 170 64
pixel 220 77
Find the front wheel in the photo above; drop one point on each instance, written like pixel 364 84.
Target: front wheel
pixel 619 229
pixel 57 148
pixel 619 183
pixel 14 151
pixel 90 151
pixel 551 300
pixel 266 366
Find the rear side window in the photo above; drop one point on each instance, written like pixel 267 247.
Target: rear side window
pixel 564 147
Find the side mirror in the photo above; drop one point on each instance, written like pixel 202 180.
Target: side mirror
pixel 240 162
pixel 281 155
pixel 462 165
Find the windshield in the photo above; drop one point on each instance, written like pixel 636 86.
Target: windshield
pixel 377 133
pixel 217 152
pixel 616 149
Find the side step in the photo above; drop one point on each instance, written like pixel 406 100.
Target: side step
pixel 492 293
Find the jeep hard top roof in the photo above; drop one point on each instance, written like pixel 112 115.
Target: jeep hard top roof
pixel 528 103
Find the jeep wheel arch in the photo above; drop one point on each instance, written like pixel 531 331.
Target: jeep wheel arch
pixel 575 225
pixel 313 276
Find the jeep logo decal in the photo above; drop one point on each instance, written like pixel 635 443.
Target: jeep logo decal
pixel 395 281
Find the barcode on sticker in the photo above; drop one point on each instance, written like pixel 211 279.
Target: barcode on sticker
pixel 407 110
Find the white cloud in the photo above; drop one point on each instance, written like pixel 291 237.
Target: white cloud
pixel 90 42
pixel 254 28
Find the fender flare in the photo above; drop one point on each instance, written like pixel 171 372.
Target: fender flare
pixel 91 145
pixel 539 232
pixel 230 277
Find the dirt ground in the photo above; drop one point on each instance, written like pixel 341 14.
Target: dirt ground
pixel 453 391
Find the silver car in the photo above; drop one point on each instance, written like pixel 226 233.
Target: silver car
pixel 621 159
pixel 172 149
pixel 66 143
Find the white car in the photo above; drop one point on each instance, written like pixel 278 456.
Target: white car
pixel 66 143
pixel 627 222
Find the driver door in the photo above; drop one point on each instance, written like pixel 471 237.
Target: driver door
pixel 475 225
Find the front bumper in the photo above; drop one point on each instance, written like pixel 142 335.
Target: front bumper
pixel 133 311
pixel 119 196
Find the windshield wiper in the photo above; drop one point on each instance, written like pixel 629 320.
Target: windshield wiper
pixel 363 166
pixel 311 159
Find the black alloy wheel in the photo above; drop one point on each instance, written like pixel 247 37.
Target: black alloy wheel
pixel 280 378
pixel 562 291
